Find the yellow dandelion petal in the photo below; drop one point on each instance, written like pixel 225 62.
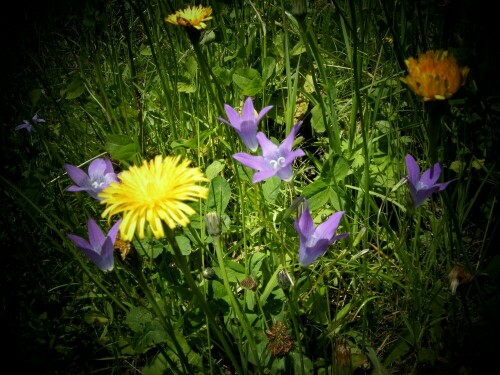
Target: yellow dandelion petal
pixel 192 16
pixel 155 193
pixel 435 75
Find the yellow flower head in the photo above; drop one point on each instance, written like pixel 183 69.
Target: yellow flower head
pixel 435 75
pixel 154 192
pixel 192 16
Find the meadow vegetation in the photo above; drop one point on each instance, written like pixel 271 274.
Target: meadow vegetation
pixel 250 187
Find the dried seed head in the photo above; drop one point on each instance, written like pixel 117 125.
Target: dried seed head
pixel 343 362
pixel 459 275
pixel 280 342
pixel 123 246
pixel 249 283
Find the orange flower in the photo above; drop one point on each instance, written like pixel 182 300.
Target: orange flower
pixel 192 16
pixel 435 75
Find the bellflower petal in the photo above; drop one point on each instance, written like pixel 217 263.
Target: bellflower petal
pixel 99 249
pixel 25 125
pixel 37 119
pixel 275 160
pixel 314 241
pixel 422 186
pixel 100 175
pixel 246 124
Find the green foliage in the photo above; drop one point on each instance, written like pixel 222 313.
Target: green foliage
pixel 114 79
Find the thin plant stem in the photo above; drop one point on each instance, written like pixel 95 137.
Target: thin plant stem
pixel 183 266
pixel 241 317
pixel 165 322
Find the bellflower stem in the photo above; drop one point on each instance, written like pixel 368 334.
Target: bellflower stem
pixel 182 264
pixel 234 303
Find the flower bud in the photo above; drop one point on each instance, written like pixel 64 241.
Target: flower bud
pixel 213 223
pixel 208 273
pixel 284 279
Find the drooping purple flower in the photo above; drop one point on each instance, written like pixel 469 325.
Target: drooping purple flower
pixel 315 240
pixel 99 248
pixel 246 124
pixel 29 125
pixel 275 160
pixel 100 175
pixel 422 186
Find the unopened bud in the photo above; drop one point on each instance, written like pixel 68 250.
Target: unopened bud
pixel 284 279
pixel 213 223
pixel 208 273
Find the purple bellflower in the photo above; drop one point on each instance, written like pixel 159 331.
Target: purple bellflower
pixel 246 124
pixel 274 160
pixel 423 185
pixel 100 175
pixel 29 125
pixel 315 240
pixel 99 248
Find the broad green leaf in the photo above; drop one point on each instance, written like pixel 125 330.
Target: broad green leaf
pixel 75 88
pixel 317 122
pixel 214 169
pixel 249 81
pixel 184 244
pixel 122 147
pixel 219 194
pixel 268 65
pixel 271 188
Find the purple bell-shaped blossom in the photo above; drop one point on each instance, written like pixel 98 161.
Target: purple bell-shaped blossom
pixel 422 186
pixel 99 248
pixel 100 175
pixel 29 125
pixel 246 124
pixel 315 240
pixel 275 160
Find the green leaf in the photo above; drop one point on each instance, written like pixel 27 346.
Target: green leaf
pixel 122 147
pixel 214 169
pixel 256 261
pixel 298 49
pixel 317 122
pixel 249 81
pixel 75 88
pixel 219 194
pixel 138 318
pixel 271 188
pixel 317 194
pixel 186 87
pixel 268 66
pixel 145 50
pixel 184 244
pixel 223 75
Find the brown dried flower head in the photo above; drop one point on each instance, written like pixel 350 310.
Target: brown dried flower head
pixel 280 342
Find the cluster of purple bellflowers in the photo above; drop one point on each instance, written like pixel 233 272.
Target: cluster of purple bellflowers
pixel 277 161
pixel 99 247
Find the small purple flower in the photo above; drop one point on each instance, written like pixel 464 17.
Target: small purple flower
pixel 29 125
pixel 274 160
pixel 314 241
pixel 100 175
pixel 246 124
pixel 99 248
pixel 422 186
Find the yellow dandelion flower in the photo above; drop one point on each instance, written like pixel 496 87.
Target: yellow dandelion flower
pixel 192 16
pixel 435 75
pixel 154 192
